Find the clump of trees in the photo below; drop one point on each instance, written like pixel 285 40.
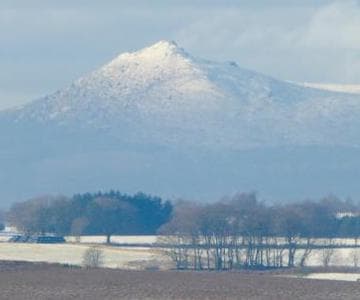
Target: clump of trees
pixel 91 214
pixel 243 232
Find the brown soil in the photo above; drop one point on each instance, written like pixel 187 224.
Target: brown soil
pixel 43 281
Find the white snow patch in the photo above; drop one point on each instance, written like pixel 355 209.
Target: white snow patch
pixel 335 276
pixel 341 88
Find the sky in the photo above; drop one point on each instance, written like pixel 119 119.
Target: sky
pixel 45 45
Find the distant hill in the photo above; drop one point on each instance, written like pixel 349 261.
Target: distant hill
pixel 165 122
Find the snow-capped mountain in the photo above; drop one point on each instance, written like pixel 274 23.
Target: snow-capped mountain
pixel 177 98
pixel 163 121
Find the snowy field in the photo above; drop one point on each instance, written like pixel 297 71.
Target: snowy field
pixel 328 276
pixel 114 257
pixel 145 255
pixel 140 258
pixel 117 239
pixel 335 276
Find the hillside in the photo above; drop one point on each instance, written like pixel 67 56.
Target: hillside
pixel 163 121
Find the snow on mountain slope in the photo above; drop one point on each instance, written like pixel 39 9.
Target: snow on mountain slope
pixel 165 95
pixel 341 88
pixel 165 122
pixel 148 81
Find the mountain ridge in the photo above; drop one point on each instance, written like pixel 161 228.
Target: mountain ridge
pixel 165 122
pixel 162 87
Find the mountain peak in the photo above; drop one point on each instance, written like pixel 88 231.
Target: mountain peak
pixel 160 50
pixel 163 47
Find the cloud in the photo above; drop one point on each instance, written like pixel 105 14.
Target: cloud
pixel 297 43
pixel 335 26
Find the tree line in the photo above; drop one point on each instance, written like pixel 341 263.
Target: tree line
pixel 243 232
pixel 236 232
pixel 99 213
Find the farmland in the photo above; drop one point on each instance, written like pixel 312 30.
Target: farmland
pixel 133 252
pixel 114 257
pixel 43 281
pixel 142 253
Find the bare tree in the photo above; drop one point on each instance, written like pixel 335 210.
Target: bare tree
pixel 93 257
pixel 355 257
pixel 327 253
pixel 176 249
pixel 78 226
pixel 181 237
pixel 38 215
pixel 307 251
pixel 290 225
